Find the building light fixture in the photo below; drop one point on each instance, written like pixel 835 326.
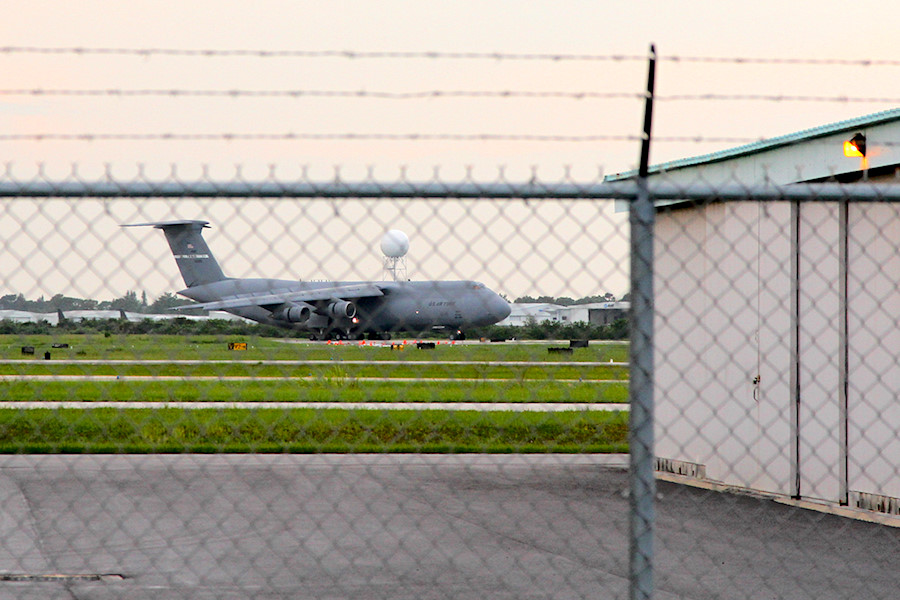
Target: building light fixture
pixel 855 146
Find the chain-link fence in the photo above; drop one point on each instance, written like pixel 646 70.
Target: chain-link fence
pixel 402 453
pixel 774 369
pixel 435 440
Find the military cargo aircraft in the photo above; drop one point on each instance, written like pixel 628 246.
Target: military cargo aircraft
pixel 328 309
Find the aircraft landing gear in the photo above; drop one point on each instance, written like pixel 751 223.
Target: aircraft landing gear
pixel 334 334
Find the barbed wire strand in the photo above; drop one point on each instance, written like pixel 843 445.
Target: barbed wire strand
pixel 384 95
pixel 435 55
pixel 429 94
pixel 345 54
pixel 483 137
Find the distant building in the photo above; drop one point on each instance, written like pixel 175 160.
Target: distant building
pixel 522 313
pixel 22 316
pixel 213 315
pixel 596 313
pixel 90 315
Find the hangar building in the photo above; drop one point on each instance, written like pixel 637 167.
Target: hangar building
pixel 777 340
pixel 22 316
pixel 595 313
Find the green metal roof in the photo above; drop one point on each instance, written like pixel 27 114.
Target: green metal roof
pixel 763 145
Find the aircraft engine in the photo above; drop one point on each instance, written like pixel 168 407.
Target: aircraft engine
pixel 342 309
pixel 293 313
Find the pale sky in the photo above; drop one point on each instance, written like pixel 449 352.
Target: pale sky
pixel 77 248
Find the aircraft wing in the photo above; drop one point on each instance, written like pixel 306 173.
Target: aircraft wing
pixel 342 292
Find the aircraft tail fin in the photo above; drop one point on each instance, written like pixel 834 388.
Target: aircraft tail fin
pixel 195 261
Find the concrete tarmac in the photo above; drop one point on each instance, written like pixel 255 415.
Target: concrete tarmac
pixel 406 527
pixel 317 363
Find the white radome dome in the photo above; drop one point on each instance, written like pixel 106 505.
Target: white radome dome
pixel 394 244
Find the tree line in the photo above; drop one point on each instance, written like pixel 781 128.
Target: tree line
pixel 129 302
pixel 566 301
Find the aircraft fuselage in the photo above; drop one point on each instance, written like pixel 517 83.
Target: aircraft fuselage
pixel 327 308
pixel 412 306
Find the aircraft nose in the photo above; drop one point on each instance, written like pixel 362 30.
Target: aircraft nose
pixel 500 308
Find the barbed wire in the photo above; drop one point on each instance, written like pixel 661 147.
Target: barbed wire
pixel 384 95
pixel 346 54
pixel 430 94
pixel 451 137
pixel 844 62
pixel 356 54
pixel 772 98
pixel 399 137
pixel 483 137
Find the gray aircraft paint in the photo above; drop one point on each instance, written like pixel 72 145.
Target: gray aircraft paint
pixel 382 306
pixel 194 259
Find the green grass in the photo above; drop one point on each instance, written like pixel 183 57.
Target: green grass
pixel 405 370
pixel 337 381
pixel 175 347
pixel 307 430
pixel 336 388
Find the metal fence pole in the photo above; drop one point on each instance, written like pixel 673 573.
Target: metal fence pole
pixel 640 442
pixel 608 190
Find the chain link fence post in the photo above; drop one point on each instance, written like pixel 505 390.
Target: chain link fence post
pixel 640 442
pixel 640 439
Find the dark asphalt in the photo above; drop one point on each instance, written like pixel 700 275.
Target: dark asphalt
pixel 406 526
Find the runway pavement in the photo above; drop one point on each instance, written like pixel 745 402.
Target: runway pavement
pixel 471 342
pixel 406 527
pixel 302 363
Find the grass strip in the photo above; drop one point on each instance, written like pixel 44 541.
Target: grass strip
pixel 174 347
pixel 325 390
pixel 446 370
pixel 108 430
